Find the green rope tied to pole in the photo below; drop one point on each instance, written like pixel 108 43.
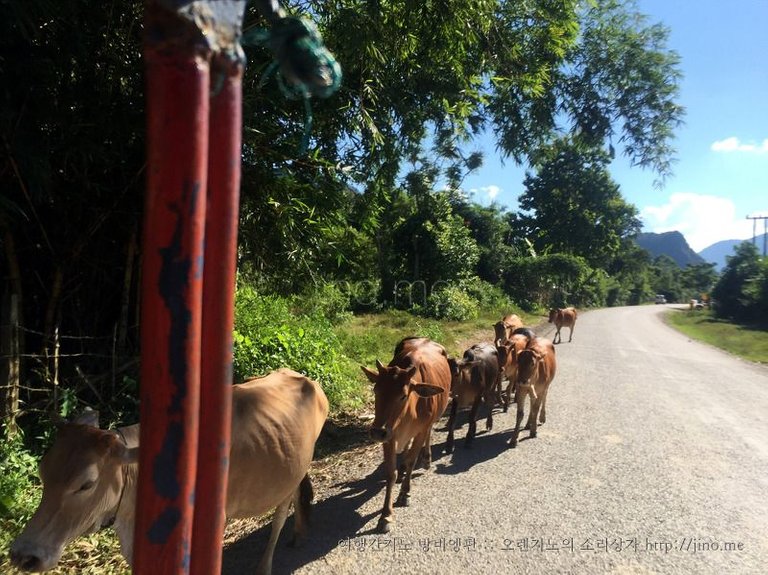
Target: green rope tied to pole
pixel 307 68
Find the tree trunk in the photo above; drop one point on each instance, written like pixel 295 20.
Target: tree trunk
pixel 10 335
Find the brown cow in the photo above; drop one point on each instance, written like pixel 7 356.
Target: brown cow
pixel 475 378
pixel 536 366
pixel 89 474
pixel 563 317
pixel 411 393
pixel 507 352
pixel 505 327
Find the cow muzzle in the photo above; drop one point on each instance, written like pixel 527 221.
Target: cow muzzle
pixel 380 434
pixel 31 560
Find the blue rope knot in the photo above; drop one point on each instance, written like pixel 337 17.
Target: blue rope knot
pixel 307 67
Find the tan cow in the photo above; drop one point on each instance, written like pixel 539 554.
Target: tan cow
pixel 504 327
pixel 563 317
pixel 89 474
pixel 475 377
pixel 411 393
pixel 536 367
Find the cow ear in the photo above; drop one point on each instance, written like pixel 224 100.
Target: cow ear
pixel 88 417
pixel 370 374
pixel 426 389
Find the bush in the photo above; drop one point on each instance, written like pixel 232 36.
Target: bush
pixel 325 300
pixel 268 336
pixel 453 303
pixel 18 492
pixel 489 297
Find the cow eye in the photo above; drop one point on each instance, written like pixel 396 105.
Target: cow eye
pixel 86 486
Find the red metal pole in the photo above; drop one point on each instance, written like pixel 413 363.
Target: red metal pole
pixel 218 314
pixel 172 280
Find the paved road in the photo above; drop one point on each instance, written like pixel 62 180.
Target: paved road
pixel 654 459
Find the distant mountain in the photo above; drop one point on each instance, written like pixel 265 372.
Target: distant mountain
pixel 717 252
pixel 670 244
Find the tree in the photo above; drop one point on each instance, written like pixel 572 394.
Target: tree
pixel 617 84
pixel 739 292
pixel 571 205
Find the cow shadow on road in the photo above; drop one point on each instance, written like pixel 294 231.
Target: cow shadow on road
pixel 332 521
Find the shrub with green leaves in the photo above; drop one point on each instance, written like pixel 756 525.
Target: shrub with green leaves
pixel 270 335
pixel 18 492
pixel 453 303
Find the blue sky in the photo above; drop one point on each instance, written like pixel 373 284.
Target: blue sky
pixel 722 149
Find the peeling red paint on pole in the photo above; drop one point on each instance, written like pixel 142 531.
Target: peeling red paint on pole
pixel 172 282
pixel 218 315
pixel 188 282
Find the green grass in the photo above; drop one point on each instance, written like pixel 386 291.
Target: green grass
pixel 747 342
pixel 368 337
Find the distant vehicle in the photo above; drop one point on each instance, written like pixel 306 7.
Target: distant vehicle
pixel 660 298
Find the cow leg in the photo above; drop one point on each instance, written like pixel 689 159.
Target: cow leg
pixel 533 418
pixel 390 472
pixel 520 399
pixel 543 416
pixel 508 395
pixel 400 469
pixel 425 455
pixel 302 502
pixel 570 335
pixel 410 459
pixel 472 431
pixel 278 520
pixel 451 425
pixel 557 336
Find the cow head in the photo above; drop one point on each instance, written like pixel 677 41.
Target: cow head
pixel 500 329
pixel 527 365
pixel 552 314
pixel 82 486
pixel 393 389
pixel 461 373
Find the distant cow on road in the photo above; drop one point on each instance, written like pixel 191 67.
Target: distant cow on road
pixel 475 378
pixel 563 317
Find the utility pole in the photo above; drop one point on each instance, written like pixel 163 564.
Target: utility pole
pixel 754 218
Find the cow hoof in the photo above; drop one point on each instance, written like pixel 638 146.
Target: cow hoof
pixel 532 435
pixel 402 501
pixel 449 448
pixel 512 444
pixel 383 526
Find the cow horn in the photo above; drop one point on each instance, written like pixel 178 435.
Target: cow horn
pixel 379 365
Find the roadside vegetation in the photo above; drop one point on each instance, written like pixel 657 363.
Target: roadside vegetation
pixel 745 341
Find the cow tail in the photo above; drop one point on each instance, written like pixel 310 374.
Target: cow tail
pixel 306 495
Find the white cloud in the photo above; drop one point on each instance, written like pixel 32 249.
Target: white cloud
pixel 490 191
pixel 703 220
pixel 733 144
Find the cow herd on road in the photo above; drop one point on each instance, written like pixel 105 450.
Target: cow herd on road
pixel 89 474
